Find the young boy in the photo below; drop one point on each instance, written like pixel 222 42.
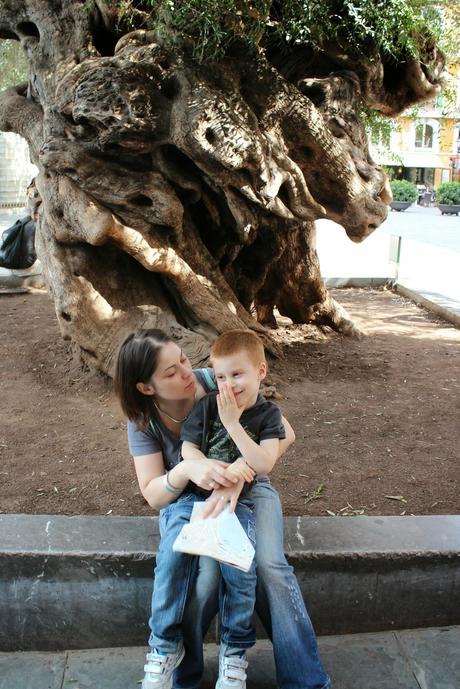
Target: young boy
pixel 240 427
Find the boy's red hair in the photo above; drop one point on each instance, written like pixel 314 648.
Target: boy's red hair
pixel 236 341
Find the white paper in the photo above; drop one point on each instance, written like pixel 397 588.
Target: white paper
pixel 222 538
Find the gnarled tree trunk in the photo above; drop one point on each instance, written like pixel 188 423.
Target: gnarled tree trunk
pixel 183 196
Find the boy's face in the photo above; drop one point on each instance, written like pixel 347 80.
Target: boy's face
pixel 242 375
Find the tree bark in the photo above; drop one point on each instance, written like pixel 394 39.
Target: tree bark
pixel 183 196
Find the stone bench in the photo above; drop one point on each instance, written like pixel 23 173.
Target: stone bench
pixel 85 582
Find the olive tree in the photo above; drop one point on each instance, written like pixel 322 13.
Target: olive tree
pixel 185 150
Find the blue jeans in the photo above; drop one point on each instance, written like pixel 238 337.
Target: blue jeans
pixel 175 576
pixel 279 604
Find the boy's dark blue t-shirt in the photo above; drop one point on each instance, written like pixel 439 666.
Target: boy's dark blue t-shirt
pixel 203 427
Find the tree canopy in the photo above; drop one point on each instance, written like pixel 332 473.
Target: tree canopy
pixel 396 27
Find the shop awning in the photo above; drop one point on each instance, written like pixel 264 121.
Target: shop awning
pixel 418 159
pixel 425 159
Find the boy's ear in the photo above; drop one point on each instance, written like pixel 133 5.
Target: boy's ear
pixel 262 370
pixel 145 388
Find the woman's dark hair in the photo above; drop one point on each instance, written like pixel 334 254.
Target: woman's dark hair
pixel 137 362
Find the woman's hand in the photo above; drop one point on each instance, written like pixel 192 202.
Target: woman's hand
pixel 229 411
pixel 208 473
pixel 222 497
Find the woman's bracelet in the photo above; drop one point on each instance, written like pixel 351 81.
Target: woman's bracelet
pixel 169 486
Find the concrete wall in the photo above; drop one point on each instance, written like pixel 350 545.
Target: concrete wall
pixel 85 582
pixel 425 267
pixel 339 257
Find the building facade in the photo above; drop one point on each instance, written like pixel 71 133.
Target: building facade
pixel 16 171
pixel 425 146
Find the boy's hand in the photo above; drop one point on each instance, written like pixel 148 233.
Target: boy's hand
pixel 229 411
pixel 240 470
pixel 220 498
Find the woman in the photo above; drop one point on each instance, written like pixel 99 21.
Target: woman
pixel 158 388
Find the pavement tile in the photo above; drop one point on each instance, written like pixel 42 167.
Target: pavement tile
pixel 434 655
pixel 122 668
pixel 105 668
pixel 32 670
pixel 409 659
pixel 366 661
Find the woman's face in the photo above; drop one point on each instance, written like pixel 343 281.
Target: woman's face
pixel 173 378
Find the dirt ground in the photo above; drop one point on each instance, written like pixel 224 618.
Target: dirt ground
pixel 376 419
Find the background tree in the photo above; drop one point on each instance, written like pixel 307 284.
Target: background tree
pixel 185 149
pixel 13 64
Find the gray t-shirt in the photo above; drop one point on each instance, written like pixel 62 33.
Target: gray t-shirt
pixel 157 437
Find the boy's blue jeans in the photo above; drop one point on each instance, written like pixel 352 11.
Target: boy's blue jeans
pixel 175 576
pixel 279 605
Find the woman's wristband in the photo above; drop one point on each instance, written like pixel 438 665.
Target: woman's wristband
pixel 169 487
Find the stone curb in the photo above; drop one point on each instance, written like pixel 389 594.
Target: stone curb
pixel 357 282
pixel 451 314
pixel 85 582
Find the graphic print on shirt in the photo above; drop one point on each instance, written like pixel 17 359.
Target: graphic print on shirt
pixel 220 445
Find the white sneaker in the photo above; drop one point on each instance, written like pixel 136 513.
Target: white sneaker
pixel 159 668
pixel 232 672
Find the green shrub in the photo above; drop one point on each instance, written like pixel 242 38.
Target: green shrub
pixel 403 190
pixel 448 193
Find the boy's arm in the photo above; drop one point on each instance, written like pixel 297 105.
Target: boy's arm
pixel 239 465
pixel 191 451
pixel 261 458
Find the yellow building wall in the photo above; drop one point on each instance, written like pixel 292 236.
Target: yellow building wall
pixel 437 177
pixel 446 134
pixel 406 142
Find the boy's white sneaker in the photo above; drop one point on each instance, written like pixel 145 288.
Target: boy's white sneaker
pixel 232 672
pixel 159 668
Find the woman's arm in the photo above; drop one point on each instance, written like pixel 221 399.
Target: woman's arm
pixel 288 440
pixel 150 472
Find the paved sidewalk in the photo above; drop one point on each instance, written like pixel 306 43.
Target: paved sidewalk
pixel 425 225
pixel 409 659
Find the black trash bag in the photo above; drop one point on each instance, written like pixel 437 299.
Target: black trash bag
pixel 18 245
